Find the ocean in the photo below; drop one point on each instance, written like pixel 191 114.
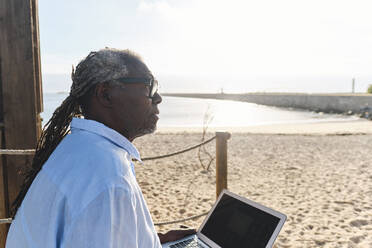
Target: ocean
pixel 191 112
pixel 236 84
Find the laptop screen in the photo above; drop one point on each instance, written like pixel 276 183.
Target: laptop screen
pixel 234 223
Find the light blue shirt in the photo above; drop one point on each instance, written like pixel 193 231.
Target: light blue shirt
pixel 86 195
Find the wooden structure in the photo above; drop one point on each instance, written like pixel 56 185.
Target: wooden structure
pixel 221 161
pixel 20 94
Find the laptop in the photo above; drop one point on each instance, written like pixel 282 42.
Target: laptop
pixel 235 222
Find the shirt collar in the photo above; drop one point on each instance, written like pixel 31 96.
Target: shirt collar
pixel 109 133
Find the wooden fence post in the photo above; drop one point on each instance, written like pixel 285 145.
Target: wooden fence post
pixel 221 161
pixel 20 95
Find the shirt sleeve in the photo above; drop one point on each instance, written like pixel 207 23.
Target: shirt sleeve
pixel 108 221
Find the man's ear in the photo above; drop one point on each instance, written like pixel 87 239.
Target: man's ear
pixel 103 95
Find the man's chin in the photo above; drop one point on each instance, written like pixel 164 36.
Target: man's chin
pixel 147 130
pixel 152 127
pixel 150 130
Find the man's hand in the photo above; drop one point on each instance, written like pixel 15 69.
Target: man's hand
pixel 175 235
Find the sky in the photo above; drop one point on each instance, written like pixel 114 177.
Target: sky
pixel 228 39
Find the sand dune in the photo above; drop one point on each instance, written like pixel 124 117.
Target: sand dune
pixel 323 183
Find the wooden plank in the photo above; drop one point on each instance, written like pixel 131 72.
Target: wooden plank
pixel 1 94
pixel 36 47
pixel 20 79
pixel 3 197
pixel 3 212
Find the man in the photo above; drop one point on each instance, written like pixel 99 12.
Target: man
pixel 81 190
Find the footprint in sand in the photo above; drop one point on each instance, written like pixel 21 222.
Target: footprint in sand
pixel 357 239
pixel 320 242
pixel 310 227
pixel 358 223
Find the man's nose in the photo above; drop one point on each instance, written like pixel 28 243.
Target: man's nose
pixel 157 98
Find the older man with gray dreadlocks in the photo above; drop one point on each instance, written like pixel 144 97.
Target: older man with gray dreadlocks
pixel 81 190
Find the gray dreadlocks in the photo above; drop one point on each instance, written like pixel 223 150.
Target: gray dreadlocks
pixel 98 67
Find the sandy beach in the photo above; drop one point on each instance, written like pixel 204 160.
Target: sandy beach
pixel 319 175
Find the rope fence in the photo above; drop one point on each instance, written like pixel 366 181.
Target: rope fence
pixel 218 134
pixel 9 220
pixel 6 221
pixel 17 152
pixel 179 152
pixel 32 151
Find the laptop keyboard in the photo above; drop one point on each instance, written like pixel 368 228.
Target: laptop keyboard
pixel 188 243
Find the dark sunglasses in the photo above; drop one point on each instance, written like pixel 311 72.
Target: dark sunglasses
pixel 151 82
